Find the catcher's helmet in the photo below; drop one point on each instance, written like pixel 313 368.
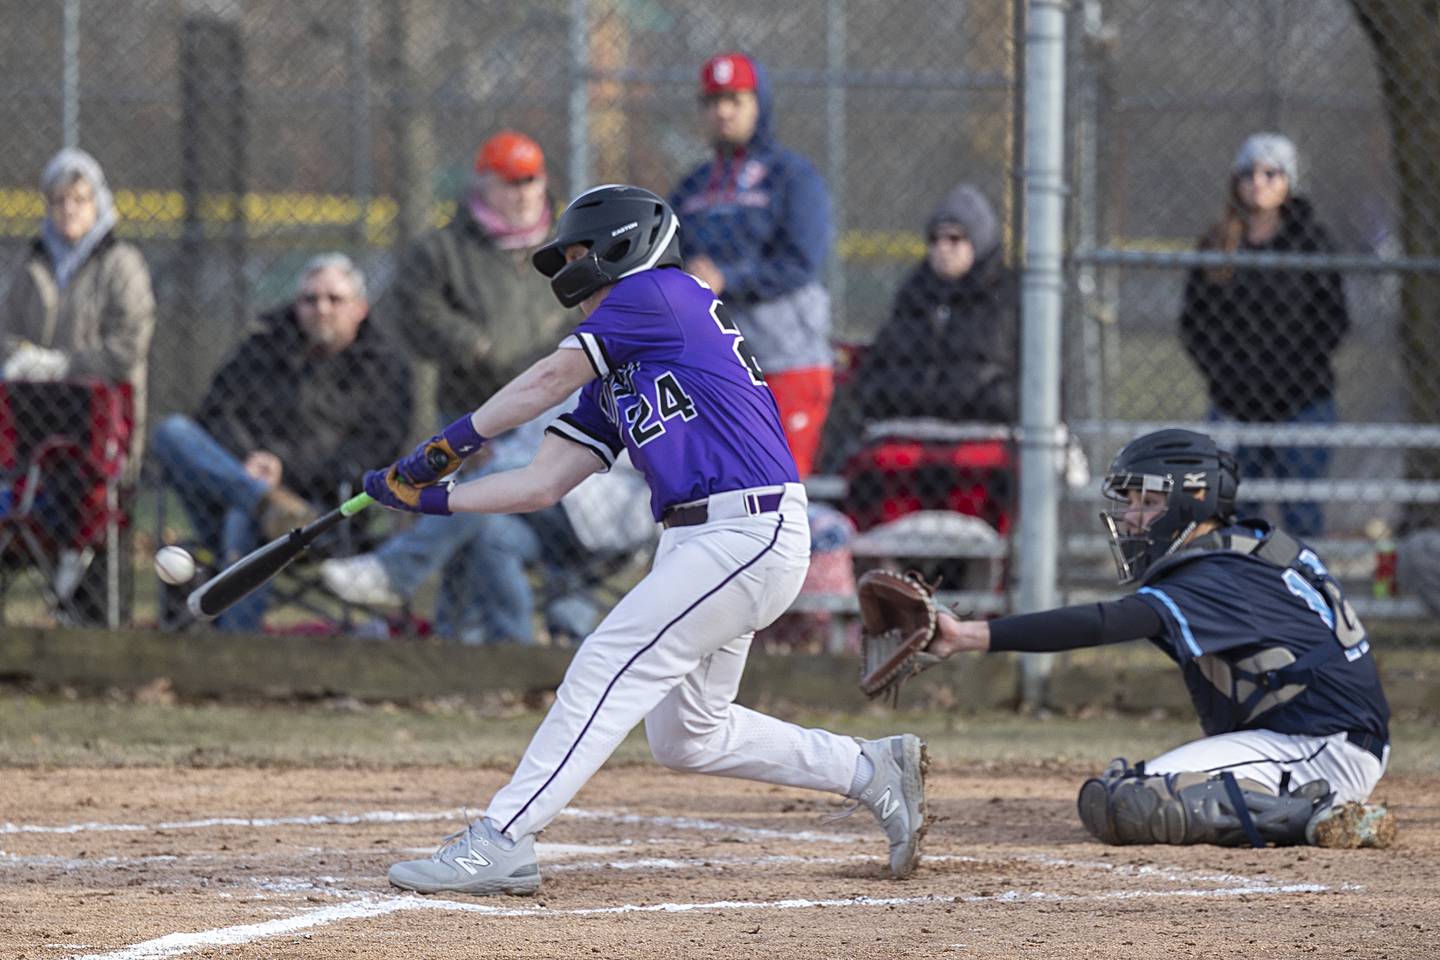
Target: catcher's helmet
pixel 1198 480
pixel 628 229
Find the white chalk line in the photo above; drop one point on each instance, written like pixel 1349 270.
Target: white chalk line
pixel 550 852
pixel 315 820
pixel 370 906
pixel 397 816
pixel 662 864
pixel 657 864
pixel 695 823
pixel 176 944
pixel 1171 874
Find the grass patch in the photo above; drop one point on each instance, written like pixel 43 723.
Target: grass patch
pixel 46 731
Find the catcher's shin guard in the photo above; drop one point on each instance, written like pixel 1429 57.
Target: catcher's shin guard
pixel 1124 805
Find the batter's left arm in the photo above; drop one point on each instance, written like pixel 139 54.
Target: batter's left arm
pixel 546 383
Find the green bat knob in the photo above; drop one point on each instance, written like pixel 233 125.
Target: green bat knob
pixel 355 504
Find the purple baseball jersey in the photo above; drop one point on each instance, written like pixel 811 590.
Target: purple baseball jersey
pixel 679 389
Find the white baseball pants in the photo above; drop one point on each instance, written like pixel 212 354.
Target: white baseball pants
pixel 1264 755
pixel 671 653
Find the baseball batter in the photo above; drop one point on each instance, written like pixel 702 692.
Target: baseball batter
pixel 665 374
pixel 1277 664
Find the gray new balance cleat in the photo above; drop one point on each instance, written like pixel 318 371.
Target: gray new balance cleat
pixel 477 860
pixel 896 795
pixel 1352 825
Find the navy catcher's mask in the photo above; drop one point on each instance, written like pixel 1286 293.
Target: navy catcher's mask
pixel 1165 484
pixel 627 229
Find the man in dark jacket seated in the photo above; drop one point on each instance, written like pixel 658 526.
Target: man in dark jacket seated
pixel 286 421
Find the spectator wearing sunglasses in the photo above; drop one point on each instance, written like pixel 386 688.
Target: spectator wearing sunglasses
pixel 948 350
pixel 1264 338
pixel 466 298
pixel 285 422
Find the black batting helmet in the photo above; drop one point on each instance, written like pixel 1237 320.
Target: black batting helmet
pixel 1198 480
pixel 628 229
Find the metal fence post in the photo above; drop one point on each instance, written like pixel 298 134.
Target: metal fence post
pixel 70 112
pixel 835 42
pixel 1041 443
pixel 362 136
pixel 579 104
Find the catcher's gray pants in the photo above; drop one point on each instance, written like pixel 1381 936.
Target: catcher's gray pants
pixel 672 653
pixel 1265 755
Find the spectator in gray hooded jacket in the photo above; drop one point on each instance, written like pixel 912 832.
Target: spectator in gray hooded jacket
pixel 82 305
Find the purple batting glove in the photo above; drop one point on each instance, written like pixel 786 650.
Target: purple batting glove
pixel 441 455
pixel 388 489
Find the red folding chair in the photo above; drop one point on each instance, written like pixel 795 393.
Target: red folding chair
pixel 896 475
pixel 63 450
pixel 941 469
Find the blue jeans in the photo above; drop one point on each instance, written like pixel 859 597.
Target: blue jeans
pixel 485 595
pixel 485 592
pixel 219 497
pixel 1305 518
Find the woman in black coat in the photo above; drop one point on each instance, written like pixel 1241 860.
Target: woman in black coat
pixel 949 348
pixel 1264 339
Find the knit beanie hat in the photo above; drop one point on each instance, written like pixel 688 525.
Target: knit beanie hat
pixel 1269 149
pixel 968 209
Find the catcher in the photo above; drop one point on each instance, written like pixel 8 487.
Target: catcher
pixel 1276 662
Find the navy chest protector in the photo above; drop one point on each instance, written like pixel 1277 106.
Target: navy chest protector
pixel 1265 680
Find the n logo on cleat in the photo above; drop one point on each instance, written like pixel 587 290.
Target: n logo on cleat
pixel 472 863
pixel 887 803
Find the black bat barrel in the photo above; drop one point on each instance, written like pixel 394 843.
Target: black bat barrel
pixel 218 594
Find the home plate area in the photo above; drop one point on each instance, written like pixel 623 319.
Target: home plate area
pixel 244 863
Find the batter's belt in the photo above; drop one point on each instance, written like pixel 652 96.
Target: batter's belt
pixel 724 506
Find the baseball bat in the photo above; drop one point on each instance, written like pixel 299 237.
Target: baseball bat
pixel 222 591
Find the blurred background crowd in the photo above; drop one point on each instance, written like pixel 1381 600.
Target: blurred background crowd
pixel 248 250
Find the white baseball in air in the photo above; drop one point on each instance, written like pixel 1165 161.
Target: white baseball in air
pixel 174 565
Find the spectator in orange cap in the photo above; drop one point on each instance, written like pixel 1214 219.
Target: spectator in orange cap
pixel 463 296
pixel 466 298
pixel 755 225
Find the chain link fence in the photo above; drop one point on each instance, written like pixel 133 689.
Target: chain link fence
pixel 1251 243
pixel 241 140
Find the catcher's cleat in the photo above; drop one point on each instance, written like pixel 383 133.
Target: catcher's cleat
pixel 478 861
pixel 896 795
pixel 1351 825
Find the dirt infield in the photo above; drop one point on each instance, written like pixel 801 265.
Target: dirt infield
pixel 136 864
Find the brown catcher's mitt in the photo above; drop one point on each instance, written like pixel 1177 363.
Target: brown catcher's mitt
pixel 898 620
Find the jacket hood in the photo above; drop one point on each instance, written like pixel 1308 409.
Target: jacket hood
pixel 967 208
pixel 765 95
pixel 66 258
pixel 764 135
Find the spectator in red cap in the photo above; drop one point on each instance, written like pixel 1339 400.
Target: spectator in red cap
pixel 466 298
pixel 755 226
